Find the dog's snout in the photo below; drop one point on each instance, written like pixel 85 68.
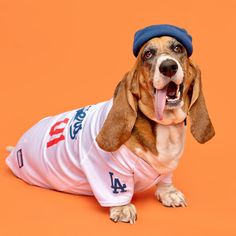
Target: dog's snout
pixel 168 67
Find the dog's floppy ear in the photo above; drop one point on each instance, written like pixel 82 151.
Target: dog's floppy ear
pixel 121 119
pixel 201 126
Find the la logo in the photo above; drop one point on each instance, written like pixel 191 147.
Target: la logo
pixel 116 184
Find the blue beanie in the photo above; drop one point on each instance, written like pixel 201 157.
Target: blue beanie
pixel 143 35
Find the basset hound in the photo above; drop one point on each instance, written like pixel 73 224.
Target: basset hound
pixel 150 107
pixel 134 141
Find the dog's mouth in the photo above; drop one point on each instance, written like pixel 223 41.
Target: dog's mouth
pixel 169 97
pixel 174 94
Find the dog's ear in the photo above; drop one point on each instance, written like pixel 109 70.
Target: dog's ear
pixel 120 121
pixel 201 126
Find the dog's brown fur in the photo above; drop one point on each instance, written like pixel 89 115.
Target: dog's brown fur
pixel 131 120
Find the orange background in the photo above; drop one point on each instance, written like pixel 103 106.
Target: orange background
pixel 60 55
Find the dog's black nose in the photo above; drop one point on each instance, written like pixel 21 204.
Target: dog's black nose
pixel 168 67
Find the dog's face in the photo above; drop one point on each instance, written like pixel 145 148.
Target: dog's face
pixel 164 64
pixel 165 86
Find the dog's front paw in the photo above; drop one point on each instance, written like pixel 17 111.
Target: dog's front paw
pixel 126 213
pixel 170 196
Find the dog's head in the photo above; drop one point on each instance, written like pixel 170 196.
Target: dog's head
pixel 165 85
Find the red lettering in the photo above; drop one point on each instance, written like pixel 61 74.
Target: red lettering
pixel 54 130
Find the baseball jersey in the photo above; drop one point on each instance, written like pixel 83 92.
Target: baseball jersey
pixel 61 153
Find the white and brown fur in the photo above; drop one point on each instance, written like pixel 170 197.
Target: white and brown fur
pixel 132 120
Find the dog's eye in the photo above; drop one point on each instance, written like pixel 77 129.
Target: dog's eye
pixel 148 55
pixel 178 48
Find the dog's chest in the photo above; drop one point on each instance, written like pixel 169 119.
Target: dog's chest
pixel 170 142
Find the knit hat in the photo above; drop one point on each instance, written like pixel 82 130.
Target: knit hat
pixel 143 35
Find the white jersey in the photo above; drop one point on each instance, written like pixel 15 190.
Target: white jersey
pixel 61 153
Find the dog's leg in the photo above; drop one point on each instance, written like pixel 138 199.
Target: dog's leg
pixel 169 196
pixel 126 213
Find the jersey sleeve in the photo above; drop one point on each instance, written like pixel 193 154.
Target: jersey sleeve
pixel 111 184
pixel 167 179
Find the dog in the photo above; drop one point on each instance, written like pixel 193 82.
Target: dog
pixel 127 144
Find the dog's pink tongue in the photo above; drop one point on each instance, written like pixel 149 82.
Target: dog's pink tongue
pixel 160 102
